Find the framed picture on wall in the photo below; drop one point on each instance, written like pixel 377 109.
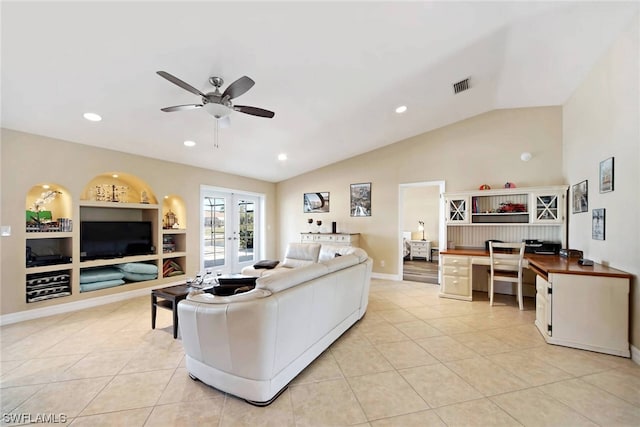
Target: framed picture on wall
pixel 316 202
pixel 361 199
pixel 606 175
pixel 598 224
pixel 580 197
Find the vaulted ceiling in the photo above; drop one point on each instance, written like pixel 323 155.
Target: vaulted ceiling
pixel 333 72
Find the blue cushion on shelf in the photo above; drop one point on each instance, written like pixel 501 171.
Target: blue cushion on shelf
pixel 100 285
pixel 139 268
pixel 100 274
pixel 138 277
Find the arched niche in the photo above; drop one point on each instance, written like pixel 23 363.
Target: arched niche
pixel 119 187
pixel 174 205
pixel 46 203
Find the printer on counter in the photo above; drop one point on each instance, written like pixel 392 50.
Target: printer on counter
pixel 534 246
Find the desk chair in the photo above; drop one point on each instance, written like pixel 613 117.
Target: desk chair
pixel 506 266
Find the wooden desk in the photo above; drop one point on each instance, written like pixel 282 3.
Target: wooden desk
pixel 577 306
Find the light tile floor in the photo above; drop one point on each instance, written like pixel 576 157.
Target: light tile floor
pixel 413 360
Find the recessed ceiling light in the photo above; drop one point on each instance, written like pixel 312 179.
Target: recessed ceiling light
pixel 93 117
pixel 166 197
pixel 189 143
pixel 115 175
pixel 282 157
pixel 46 186
pixel 401 109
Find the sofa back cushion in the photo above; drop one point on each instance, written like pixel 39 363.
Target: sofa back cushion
pixel 340 262
pixel 293 277
pixel 329 251
pixel 208 298
pixel 301 254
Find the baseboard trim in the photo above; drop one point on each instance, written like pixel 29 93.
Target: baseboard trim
pixel 36 313
pixel 394 277
pixel 635 354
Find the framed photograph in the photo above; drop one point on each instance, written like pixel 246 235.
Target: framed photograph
pixel 361 199
pixel 598 224
pixel 316 202
pixel 580 197
pixel 606 175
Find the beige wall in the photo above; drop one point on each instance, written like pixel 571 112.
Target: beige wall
pixel 421 204
pixel 28 160
pixel 484 149
pixel 601 120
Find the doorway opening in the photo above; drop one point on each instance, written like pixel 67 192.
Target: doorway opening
pixel 421 230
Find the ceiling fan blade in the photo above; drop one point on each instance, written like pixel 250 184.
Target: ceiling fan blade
pixel 178 82
pixel 224 122
pixel 254 111
pixel 181 107
pixel 238 87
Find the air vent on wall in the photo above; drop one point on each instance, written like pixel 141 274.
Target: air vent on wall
pixel 461 86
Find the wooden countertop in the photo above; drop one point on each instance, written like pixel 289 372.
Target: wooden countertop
pixel 545 264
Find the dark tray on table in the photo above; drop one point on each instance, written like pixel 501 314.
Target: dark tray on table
pixel 229 284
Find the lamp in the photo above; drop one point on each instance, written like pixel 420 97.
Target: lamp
pixel 421 228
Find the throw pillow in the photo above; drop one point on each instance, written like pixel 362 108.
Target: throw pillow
pixel 268 264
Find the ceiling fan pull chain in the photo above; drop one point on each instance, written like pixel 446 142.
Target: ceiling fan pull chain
pixel 215 135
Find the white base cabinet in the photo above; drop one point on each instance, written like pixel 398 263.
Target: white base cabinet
pixel 455 277
pixel 586 312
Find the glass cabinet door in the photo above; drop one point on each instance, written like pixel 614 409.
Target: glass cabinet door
pixel 548 208
pixel 458 210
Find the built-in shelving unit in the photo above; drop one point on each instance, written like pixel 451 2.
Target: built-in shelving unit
pixel 508 214
pixel 53 262
pixel 48 243
pixel 174 236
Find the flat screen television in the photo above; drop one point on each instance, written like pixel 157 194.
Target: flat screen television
pixel 113 239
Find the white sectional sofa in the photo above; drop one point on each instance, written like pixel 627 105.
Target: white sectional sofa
pixel 253 344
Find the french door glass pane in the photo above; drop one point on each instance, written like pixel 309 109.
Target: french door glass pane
pixel 214 232
pixel 246 217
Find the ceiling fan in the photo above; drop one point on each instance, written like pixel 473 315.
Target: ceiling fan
pixel 218 104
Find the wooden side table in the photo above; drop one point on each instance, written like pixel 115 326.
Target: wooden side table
pixel 169 299
pixel 436 250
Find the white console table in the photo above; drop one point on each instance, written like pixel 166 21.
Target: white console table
pixel 344 239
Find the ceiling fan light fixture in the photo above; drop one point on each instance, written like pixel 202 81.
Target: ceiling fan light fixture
pixel 217 110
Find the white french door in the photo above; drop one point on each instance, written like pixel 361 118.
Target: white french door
pixel 230 230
